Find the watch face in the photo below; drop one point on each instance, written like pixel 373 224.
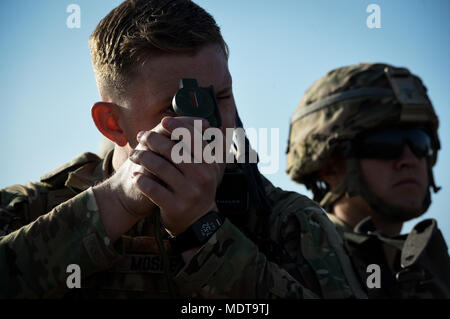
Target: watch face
pixel 199 232
pixel 207 229
pixel 207 226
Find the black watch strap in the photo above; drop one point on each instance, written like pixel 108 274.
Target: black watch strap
pixel 198 233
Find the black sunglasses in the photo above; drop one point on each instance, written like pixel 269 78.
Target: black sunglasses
pixel 389 144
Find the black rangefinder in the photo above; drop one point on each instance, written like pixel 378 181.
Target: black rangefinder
pixel 192 100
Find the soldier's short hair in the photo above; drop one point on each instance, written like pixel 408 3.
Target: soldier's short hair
pixel 137 30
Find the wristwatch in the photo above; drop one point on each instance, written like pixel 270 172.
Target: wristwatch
pixel 199 232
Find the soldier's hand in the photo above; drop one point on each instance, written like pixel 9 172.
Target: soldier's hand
pixel 121 204
pixel 130 197
pixel 185 191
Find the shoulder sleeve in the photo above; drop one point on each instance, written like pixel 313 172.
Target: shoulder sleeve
pixel 315 264
pixel 229 265
pixel 34 258
pixel 19 205
pixel 306 234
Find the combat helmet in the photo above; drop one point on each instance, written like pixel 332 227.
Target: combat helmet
pixel 345 103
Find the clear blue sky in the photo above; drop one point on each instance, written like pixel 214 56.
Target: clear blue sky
pixel 278 49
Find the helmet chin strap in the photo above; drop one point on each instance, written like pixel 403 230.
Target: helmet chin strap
pixel 333 195
pixel 431 177
pixel 349 186
pixel 354 184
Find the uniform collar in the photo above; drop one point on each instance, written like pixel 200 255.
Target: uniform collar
pixel 365 226
pixel 340 224
pixel 92 173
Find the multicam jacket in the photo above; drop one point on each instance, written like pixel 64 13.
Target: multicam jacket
pixel 421 268
pixel 49 225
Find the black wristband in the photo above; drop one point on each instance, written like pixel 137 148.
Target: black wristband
pixel 199 232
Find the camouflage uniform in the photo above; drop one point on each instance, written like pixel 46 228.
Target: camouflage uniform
pixel 422 265
pixel 334 110
pixel 49 225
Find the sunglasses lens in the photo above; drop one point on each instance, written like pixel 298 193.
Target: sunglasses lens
pixel 390 144
pixel 420 143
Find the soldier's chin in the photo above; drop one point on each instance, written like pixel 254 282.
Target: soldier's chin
pixel 402 214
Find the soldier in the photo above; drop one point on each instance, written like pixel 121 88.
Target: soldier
pixel 136 223
pixel 364 140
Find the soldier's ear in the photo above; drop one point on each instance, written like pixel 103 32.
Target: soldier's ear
pixel 105 117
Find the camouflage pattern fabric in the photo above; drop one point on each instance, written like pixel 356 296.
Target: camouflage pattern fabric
pixel 427 274
pixel 48 225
